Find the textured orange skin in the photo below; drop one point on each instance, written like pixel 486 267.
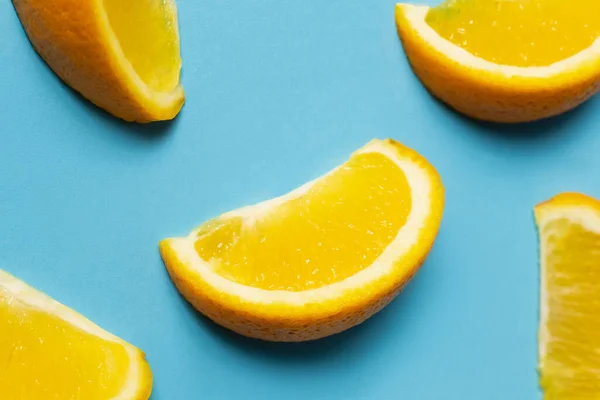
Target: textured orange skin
pixel 492 96
pixel 145 381
pixel 570 199
pixel 294 323
pixel 145 390
pixel 71 39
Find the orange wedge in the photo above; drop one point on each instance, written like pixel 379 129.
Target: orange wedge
pixel 48 351
pixel 320 259
pixel 505 61
pixel 569 336
pixel 121 55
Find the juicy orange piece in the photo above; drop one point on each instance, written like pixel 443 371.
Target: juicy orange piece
pixel 518 32
pixel 320 259
pixel 505 61
pixel 121 55
pixel 50 352
pixel 569 230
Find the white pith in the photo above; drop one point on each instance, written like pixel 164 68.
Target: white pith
pixel 34 299
pixel 418 180
pixel 416 15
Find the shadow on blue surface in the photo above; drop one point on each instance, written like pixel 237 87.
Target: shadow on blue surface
pixel 318 350
pixel 154 131
pixel 529 131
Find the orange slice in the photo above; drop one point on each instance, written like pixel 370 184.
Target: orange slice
pixel 320 259
pixel 121 55
pixel 48 351
pixel 569 336
pixel 505 61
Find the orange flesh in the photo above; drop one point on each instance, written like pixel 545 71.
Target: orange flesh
pixel 518 32
pixel 571 365
pixel 45 358
pixel 147 33
pixel 336 229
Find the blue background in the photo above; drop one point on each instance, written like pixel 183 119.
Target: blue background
pixel 278 92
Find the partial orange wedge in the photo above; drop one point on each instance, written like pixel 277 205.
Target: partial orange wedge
pixel 569 337
pixel 320 259
pixel 505 61
pixel 48 351
pixel 121 55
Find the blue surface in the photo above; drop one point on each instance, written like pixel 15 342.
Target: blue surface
pixel 278 92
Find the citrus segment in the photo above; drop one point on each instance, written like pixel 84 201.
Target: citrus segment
pixel 522 33
pixel 50 352
pixel 569 231
pixel 121 55
pixel 320 259
pixel 336 228
pixel 147 34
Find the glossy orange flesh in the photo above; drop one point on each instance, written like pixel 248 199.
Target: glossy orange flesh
pixel 45 358
pixel 323 236
pixel 518 32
